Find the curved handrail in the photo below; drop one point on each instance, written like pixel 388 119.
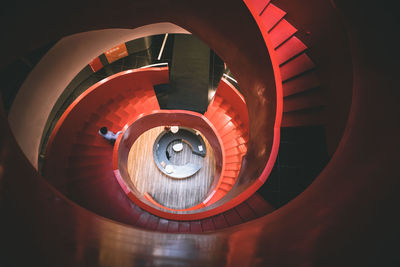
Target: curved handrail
pixel 144 122
pixel 78 112
pixel 229 93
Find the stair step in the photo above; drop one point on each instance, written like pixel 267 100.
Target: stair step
pixel 220 221
pixel 259 205
pixel 76 163
pixel 89 158
pixel 213 108
pixel 301 83
pixel 233 134
pixel 89 171
pixel 245 212
pixel 100 121
pixel 225 187
pixel 195 227
pixel 93 128
pixel 113 117
pixel 143 219
pixel 210 112
pixel 233 152
pixel 230 144
pixel 113 107
pixel 207 225
pixel 229 180
pixel 152 223
pixel 271 15
pixel 93 138
pixel 122 114
pixel 281 32
pixel 150 104
pixel 131 110
pixel 162 225
pixel 258 5
pixel 232 217
pixel 232 166
pixel 104 144
pixel 134 213
pixel 119 98
pixel 306 100
pixel 225 106
pixel 290 49
pixel 128 93
pixel 222 121
pixel 314 116
pixel 241 149
pixel 173 226
pixel 103 110
pixel 296 66
pixel 237 120
pixel 217 100
pixel 184 227
pixel 229 127
pixel 230 174
pixel 88 150
pixel 236 135
pixel 86 185
pixel 233 159
pixel 217 115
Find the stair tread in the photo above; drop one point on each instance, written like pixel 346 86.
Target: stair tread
pixel 290 49
pixel 271 15
pixel 259 205
pixel 207 225
pixel 229 180
pixel 184 227
pixel 143 219
pixel 306 117
pixel 281 32
pixel 230 174
pixel 152 222
pixel 245 212
pixel 296 66
pixel 301 83
pixel 162 225
pixel 220 221
pixel 195 227
pixel 173 226
pixel 306 100
pixel 225 187
pixel 258 5
pixel 232 217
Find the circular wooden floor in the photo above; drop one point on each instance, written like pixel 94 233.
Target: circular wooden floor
pixel 172 193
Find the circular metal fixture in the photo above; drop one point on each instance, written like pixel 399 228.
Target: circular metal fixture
pixel 177 147
pixel 190 137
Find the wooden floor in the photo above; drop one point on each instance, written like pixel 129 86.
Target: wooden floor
pixel 172 193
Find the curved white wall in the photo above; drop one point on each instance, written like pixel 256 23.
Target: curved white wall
pixel 53 73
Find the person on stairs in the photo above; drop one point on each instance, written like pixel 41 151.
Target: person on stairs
pixel 109 135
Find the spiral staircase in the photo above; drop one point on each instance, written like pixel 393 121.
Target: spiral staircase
pixel 58 217
pixel 79 162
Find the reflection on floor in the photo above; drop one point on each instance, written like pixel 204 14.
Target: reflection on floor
pixel 172 193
